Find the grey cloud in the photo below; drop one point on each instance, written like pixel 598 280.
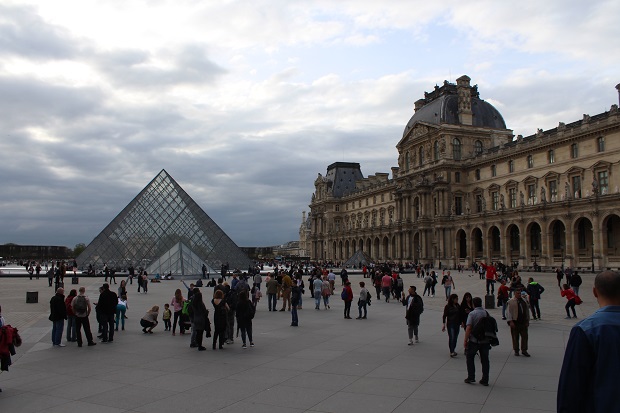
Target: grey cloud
pixel 24 33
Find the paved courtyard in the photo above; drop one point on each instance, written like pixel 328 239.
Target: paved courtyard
pixel 327 364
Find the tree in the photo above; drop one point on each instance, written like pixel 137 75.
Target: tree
pixel 78 249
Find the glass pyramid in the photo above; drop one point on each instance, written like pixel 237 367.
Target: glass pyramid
pixel 163 230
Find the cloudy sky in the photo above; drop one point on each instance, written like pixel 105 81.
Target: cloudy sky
pixel 244 102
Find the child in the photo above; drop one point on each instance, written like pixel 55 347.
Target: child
pixel 166 317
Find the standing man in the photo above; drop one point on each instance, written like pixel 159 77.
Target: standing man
pixel 82 308
pixel 272 292
pixel 519 320
pixel 589 378
pixel 258 280
pixel 575 282
pixel 415 307
pixel 107 309
pixel 58 315
pixel 491 276
pixel 295 296
pixel 473 345
pixel 534 291
pixel 344 275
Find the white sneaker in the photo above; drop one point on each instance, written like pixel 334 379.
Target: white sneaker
pixel 62 345
pixel 410 343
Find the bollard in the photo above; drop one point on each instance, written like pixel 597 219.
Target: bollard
pixel 32 297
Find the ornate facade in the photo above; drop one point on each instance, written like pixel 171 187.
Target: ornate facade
pixel 465 189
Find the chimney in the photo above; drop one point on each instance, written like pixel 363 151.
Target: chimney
pixel 463 89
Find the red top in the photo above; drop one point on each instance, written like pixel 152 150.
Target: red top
pixel 68 305
pixel 349 291
pixel 569 294
pixel 491 271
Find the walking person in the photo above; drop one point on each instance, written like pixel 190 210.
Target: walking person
pixel 108 300
pixel 519 320
pixel 452 322
pixel 534 291
pixel 82 308
pixel 386 285
pixel 58 315
pixel 589 379
pixel 326 291
pixel 428 283
pixel 448 284
pixel 414 307
pixel 570 295
pixel 317 287
pixel 503 295
pixel 272 293
pixel 363 301
pixel 71 331
pixel 474 346
pixel 575 282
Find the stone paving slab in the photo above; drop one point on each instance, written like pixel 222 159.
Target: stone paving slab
pixel 327 364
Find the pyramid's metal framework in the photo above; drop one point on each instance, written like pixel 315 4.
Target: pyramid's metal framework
pixel 163 230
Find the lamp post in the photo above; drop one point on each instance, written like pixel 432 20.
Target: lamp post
pixel 562 259
pixel 593 249
pixel 535 265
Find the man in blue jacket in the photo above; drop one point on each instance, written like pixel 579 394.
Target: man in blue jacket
pixel 588 381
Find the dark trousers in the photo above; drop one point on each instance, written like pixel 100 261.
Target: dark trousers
pixel 219 333
pixel 246 330
pixel 483 350
pixel 83 322
pixel 570 304
pixel 272 301
pixel 199 335
pixel 107 321
pixel 177 318
pixel 490 283
pixel 519 330
pixel 347 308
pixel 294 320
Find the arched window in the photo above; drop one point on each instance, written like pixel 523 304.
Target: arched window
pixel 456 149
pixel 478 148
pixel 436 150
pixel 421 155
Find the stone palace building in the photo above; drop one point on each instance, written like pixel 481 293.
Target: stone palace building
pixel 466 189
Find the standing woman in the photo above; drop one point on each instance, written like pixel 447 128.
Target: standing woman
pixel 219 318
pixel 326 291
pixel 245 313
pixel 452 320
pixel 122 289
pixel 71 331
pixel 200 316
pixel 177 305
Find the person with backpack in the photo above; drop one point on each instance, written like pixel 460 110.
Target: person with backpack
pixel 347 297
pixel 475 345
pixel 363 301
pixel 414 307
pixel 81 308
pixel 519 320
pixel 398 287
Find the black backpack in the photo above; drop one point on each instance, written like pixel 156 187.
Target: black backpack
pixel 485 330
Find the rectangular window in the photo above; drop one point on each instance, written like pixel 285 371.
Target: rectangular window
pixel 374 200
pixel 359 203
pixel 600 142
pixel 512 197
pixel 576 186
pixel 477 174
pixel 603 183
pixel 530 161
pixel 495 198
pixel 531 194
pixel 511 166
pixel 574 151
pixel 553 191
pixel 551 156
pixel 382 198
pixel 457 177
pixel 493 171
pixel 366 201
pixel 458 205
pixel 337 208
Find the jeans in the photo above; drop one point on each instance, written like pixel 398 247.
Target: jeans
pixel 272 301
pixel 576 290
pixel 412 329
pixel 317 300
pixel 362 304
pixel 326 301
pixel 71 336
pixel 57 328
pixel 483 350
pixel 504 304
pixel 427 288
pixel 120 315
pixel 490 283
pixel 107 321
pixel 177 318
pixel 570 304
pixel 535 307
pixel 448 289
pixel 453 335
pixel 294 319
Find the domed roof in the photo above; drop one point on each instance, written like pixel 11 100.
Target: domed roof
pixel 442 106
